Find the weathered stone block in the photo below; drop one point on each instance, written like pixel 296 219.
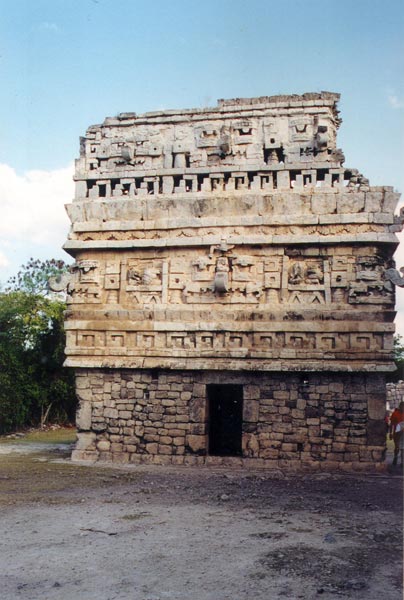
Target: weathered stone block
pixel 163 449
pixel 196 443
pixel 116 447
pixel 251 392
pixel 323 204
pixel 81 455
pixel 251 445
pixel 103 445
pixel 111 413
pixel 120 457
pixel 152 448
pixel 85 441
pixel 83 416
pixel 124 414
pixel 166 439
pixel 199 390
pixel 269 453
pixel 82 383
pixel 251 410
pixel 376 407
pixel 197 409
pixel 286 447
pixel 84 394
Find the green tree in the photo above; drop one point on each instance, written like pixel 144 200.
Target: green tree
pixel 34 385
pixel 34 276
pixel 398 355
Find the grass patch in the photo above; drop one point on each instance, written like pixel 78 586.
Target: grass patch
pixel 25 480
pixel 61 435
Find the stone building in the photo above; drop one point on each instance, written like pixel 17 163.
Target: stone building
pixel 232 299
pixel 394 394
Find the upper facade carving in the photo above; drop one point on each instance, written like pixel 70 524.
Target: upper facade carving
pixel 241 133
pixel 234 234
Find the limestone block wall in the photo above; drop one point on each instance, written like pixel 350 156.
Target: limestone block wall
pixel 394 393
pixel 230 246
pixel 318 421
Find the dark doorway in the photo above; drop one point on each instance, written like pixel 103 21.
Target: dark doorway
pixel 225 419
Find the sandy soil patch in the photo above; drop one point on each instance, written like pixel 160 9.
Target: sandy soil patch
pixel 156 533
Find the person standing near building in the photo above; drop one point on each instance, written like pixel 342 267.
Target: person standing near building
pixel 400 432
pixel 396 418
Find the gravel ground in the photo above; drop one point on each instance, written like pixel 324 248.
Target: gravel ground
pixel 154 533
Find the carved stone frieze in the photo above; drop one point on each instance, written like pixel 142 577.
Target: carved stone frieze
pixel 269 343
pixel 371 285
pixel 306 273
pixel 144 281
pixel 173 229
pixel 84 285
pixel 229 275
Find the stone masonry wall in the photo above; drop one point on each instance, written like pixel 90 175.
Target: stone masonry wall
pixel 230 246
pixel 315 420
pixel 395 393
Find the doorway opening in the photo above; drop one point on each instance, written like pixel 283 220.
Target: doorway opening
pixel 225 419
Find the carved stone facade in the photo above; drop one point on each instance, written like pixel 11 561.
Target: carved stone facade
pixel 226 253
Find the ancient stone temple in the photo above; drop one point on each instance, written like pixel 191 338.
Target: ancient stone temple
pixel 232 299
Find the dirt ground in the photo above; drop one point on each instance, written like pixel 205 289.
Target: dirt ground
pixel 73 532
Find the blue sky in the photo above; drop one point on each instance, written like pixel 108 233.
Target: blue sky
pixel 66 64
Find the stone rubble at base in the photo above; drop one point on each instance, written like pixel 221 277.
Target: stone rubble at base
pixel 230 246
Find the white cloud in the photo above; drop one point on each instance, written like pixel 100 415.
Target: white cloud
pixel 32 205
pixel 395 101
pixel 4 262
pixel 32 211
pixel 46 26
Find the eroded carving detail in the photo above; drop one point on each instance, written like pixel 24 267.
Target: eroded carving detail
pixel 84 286
pixel 273 342
pixel 221 281
pixel 371 286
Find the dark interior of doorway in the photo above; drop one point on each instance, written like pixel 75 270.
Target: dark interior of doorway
pixel 225 419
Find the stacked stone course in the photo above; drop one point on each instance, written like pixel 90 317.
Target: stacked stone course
pixel 317 421
pixel 395 394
